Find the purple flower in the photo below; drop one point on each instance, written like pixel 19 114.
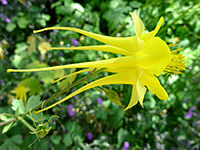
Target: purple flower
pixel 100 101
pixel 189 114
pixel 54 31
pixel 126 146
pixel 4 2
pixel 118 34
pixel 191 109
pixel 2 82
pixel 60 54
pixel 89 135
pixel 74 41
pixel 5 18
pixel 186 100
pixel 70 110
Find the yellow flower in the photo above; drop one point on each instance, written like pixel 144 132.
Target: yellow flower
pixel 144 57
pixel 20 92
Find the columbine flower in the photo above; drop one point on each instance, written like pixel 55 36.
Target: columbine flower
pixel 70 110
pixel 144 57
pixel 90 135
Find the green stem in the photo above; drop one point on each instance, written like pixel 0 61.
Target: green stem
pixel 119 29
pixel 26 124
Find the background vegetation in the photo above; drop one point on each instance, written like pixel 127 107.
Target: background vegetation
pixel 85 121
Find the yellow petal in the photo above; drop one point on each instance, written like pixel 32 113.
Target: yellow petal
pixel 138 91
pixel 121 78
pixel 134 98
pixel 154 56
pixel 151 34
pixel 105 48
pixel 109 63
pixel 124 43
pixel 138 25
pixel 153 84
pixel 141 90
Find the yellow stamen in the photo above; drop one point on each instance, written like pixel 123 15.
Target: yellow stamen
pixel 170 45
pixel 177 64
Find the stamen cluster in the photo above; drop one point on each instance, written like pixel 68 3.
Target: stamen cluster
pixel 177 64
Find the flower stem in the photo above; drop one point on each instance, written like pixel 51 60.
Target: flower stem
pixel 26 124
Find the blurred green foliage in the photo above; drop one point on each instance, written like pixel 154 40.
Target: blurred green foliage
pixel 172 124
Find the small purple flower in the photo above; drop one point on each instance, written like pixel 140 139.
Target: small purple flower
pixel 2 82
pixel 191 109
pixel 4 2
pixel 74 41
pixel 5 18
pixel 126 146
pixel 100 101
pixel 70 110
pixel 60 54
pixel 54 31
pixel 186 100
pixel 89 135
pixel 189 114
pixel 118 34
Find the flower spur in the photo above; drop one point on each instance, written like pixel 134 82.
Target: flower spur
pixel 144 57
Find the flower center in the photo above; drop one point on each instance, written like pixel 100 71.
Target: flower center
pixel 177 64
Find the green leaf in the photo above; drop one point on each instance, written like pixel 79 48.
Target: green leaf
pixel 7 127
pixel 32 102
pixel 12 143
pixel 74 128
pixel 116 118
pixel 55 139
pixel 6 117
pixel 22 22
pixel 101 113
pixel 66 82
pixel 67 140
pixel 16 61
pixel 63 10
pixel 33 84
pixel 21 47
pixel 46 76
pixel 135 4
pixel 59 73
pixel 46 17
pixel 122 133
pixel 10 26
pixel 77 6
pixel 42 22
pixel 112 96
pixel 18 104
